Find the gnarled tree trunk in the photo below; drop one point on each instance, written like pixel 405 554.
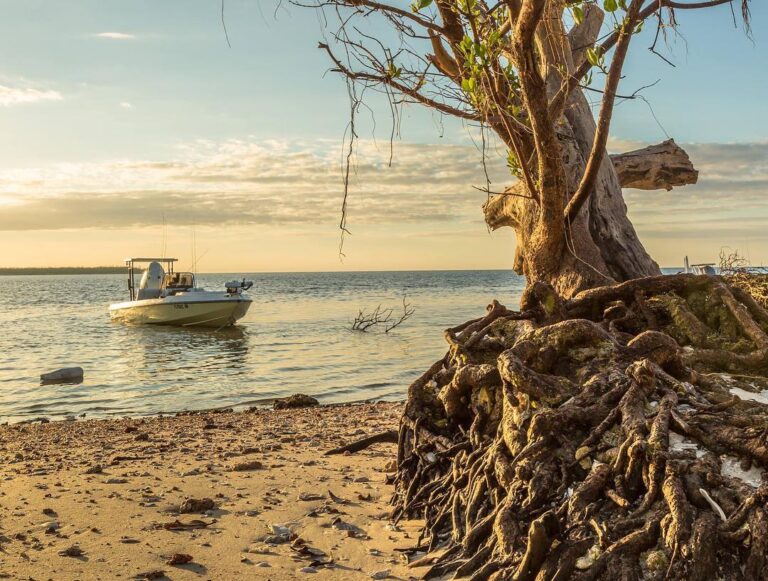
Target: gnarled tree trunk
pixel 601 245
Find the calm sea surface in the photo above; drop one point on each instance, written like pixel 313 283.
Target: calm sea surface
pixel 295 338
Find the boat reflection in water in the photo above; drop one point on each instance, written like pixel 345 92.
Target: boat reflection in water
pixel 165 361
pixel 166 349
pixel 165 297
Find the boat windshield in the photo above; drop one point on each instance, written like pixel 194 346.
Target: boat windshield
pixel 178 281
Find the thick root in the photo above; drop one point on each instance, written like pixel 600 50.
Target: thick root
pixel 595 438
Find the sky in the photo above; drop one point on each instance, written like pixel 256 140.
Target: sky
pixel 118 117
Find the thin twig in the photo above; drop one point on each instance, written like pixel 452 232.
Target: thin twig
pixel 224 25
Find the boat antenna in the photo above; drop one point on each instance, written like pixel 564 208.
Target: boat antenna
pixel 194 264
pixel 164 243
pixel 194 250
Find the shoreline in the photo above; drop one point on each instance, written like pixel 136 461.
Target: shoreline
pixel 277 509
pixel 265 405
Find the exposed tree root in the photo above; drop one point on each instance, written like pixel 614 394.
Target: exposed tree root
pixel 595 438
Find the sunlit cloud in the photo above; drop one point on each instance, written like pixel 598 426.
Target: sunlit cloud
pixel 298 185
pixel 240 183
pixel 10 96
pixel 126 105
pixel 116 35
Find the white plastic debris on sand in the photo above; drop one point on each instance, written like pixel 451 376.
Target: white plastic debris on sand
pixel 678 443
pixel 760 396
pixel 732 467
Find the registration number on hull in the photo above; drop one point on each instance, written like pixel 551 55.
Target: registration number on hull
pixel 180 306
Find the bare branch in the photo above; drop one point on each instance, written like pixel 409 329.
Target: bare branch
pixel 224 25
pixel 408 311
pixel 560 99
pixel 405 90
pixel 379 7
pixel 366 320
pixel 606 113
pixel 695 5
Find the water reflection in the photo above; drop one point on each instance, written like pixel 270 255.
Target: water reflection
pixel 171 351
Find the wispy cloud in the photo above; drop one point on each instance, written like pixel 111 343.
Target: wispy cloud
pixel 238 182
pixel 126 105
pixel 116 35
pixel 19 95
pixel 284 183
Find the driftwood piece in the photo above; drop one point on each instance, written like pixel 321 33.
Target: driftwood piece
pixel 656 167
pixel 388 437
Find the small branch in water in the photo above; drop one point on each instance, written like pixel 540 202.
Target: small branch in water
pixel 365 320
pixel 408 310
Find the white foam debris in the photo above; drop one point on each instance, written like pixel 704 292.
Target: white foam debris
pixel 759 397
pixel 732 467
pixel 678 443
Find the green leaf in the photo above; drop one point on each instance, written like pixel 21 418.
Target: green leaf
pixel 418 5
pixel 593 57
pixel 610 5
pixel 514 165
pixel 578 14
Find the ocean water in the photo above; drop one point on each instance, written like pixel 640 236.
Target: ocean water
pixel 295 338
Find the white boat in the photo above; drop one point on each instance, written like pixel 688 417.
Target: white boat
pixel 707 268
pixel 165 297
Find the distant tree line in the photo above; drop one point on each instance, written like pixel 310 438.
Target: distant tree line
pixel 62 270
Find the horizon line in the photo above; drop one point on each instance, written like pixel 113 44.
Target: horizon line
pixel 23 270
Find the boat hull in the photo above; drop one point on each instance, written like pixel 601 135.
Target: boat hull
pixel 187 313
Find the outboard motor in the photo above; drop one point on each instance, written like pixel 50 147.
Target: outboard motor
pixel 236 287
pixel 151 283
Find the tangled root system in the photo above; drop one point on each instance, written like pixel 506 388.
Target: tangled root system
pixel 621 434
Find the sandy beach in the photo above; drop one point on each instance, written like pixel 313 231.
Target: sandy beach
pixel 238 495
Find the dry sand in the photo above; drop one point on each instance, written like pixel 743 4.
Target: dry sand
pixel 113 488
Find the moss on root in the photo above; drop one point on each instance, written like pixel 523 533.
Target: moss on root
pixel 594 438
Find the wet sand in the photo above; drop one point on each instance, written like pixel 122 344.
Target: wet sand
pixel 101 499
